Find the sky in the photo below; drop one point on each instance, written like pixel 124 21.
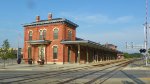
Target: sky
pixel 103 21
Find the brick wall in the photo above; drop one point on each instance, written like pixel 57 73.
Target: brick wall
pixel 62 35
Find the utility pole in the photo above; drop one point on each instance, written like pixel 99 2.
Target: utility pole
pixel 146 26
pixel 146 33
pixel 18 46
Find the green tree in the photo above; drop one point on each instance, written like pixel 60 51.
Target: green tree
pixel 4 51
pixel 126 55
pixel 12 55
pixel 133 55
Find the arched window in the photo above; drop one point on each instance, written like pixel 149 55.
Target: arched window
pixel 55 34
pixel 41 35
pixel 55 52
pixel 44 34
pixel 69 35
pixel 30 35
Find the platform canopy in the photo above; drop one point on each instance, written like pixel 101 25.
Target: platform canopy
pixel 89 44
pixel 39 42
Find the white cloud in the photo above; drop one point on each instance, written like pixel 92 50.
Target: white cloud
pixel 116 34
pixel 123 19
pixel 98 18
pixel 133 34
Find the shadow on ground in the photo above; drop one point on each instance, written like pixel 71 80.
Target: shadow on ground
pixel 135 79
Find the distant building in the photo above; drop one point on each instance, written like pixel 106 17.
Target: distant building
pixel 112 46
pixel 120 56
pixel 54 40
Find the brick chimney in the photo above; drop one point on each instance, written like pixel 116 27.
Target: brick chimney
pixel 49 16
pixel 37 18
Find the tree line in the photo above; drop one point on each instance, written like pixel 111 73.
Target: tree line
pixel 6 52
pixel 133 55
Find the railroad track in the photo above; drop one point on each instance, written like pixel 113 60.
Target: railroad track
pixel 102 78
pixel 90 75
pixel 34 77
pixel 60 71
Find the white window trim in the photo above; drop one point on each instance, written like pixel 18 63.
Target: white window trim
pixel 69 30
pixel 55 28
pixel 55 45
pixel 28 46
pixel 42 29
pixel 31 31
pixel 41 32
pixel 45 29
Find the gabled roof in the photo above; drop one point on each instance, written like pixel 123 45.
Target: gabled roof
pixel 56 20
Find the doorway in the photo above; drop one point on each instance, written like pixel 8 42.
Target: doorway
pixel 41 53
pixel 29 53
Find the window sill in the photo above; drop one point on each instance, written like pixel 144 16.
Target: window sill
pixel 55 59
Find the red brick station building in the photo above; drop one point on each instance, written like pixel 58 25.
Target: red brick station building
pixel 55 41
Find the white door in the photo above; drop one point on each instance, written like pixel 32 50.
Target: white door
pixel 41 52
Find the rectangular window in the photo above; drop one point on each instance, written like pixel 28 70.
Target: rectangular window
pixel 30 35
pixel 69 35
pixel 55 33
pixel 55 36
pixel 29 52
pixel 44 34
pixel 55 52
pixel 41 35
pixel 30 38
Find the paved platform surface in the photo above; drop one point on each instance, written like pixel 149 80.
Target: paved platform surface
pixel 52 74
pixel 46 67
pixel 134 73
pixel 36 67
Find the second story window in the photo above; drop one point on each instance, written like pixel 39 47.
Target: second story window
pixel 44 34
pixel 69 35
pixel 41 35
pixel 30 35
pixel 55 34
